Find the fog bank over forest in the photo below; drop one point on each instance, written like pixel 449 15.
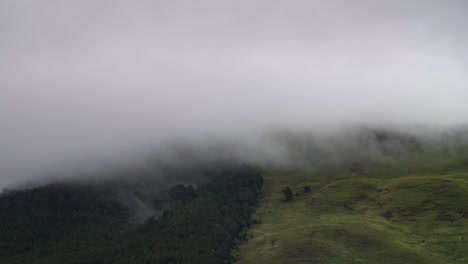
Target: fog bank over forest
pixel 87 85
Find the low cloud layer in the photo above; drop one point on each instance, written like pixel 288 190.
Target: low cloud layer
pixel 98 80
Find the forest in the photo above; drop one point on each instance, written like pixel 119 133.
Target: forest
pixel 60 223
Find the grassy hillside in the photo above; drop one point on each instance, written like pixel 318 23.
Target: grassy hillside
pixel 403 217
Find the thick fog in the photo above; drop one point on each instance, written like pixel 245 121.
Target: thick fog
pixel 84 82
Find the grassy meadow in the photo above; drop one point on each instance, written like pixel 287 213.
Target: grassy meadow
pixel 386 214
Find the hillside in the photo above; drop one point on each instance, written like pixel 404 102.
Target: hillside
pixel 62 223
pixel 400 217
pixel 364 196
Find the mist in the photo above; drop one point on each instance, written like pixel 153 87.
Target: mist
pixel 85 84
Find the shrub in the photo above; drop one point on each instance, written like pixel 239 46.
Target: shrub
pixel 288 194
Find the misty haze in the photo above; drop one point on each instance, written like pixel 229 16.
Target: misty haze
pixel 120 119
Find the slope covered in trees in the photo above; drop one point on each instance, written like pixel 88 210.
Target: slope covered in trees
pixel 66 224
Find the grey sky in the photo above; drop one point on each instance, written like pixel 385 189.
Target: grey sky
pixel 83 80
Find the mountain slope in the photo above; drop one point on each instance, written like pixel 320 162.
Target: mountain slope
pixel 70 224
pixel 363 219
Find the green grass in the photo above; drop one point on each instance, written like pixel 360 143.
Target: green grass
pixel 400 217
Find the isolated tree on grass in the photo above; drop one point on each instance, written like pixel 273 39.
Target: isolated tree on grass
pixel 288 194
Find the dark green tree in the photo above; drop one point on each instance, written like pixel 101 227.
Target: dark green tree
pixel 288 194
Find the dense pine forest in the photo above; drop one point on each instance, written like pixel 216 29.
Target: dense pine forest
pixel 62 223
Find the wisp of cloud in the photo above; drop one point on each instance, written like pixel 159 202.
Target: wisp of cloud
pixel 88 82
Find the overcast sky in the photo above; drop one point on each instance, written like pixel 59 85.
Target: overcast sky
pixel 92 79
